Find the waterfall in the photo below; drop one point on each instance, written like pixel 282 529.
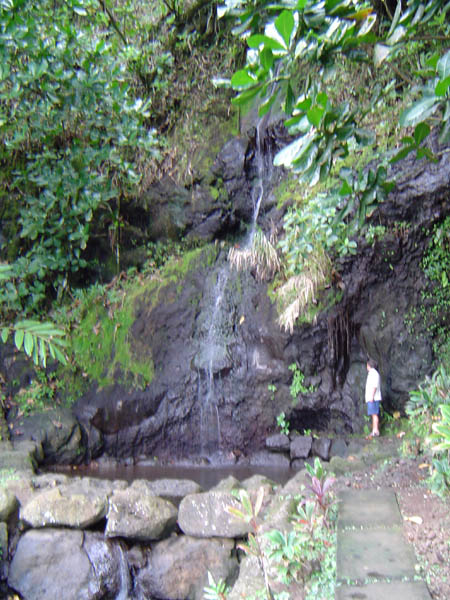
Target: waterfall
pixel 258 187
pixel 211 359
pixel 123 574
pixel 216 326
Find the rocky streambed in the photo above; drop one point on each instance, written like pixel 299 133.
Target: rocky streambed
pixel 90 538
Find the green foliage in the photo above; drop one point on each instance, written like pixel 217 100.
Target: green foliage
pixel 307 552
pixel 429 414
pixel 36 339
pixel 295 51
pixel 435 98
pixel 297 385
pixel 40 394
pixel 215 590
pixel 321 486
pixel 436 266
pixel 442 429
pixel 283 423
pixel 423 405
pixel 70 129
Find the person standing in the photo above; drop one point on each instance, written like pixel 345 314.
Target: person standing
pixel 373 396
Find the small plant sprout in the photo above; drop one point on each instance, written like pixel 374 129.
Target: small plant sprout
pixel 320 486
pixel 283 423
pixel 215 590
pixel 249 514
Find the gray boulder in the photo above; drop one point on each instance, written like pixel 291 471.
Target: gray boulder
pixel 321 448
pixel 139 516
pixel 51 564
pixel 60 508
pixel 58 564
pixel 206 515
pixel 173 490
pixel 301 446
pixel 178 567
pixel 278 442
pixel 250 582
pixel 8 504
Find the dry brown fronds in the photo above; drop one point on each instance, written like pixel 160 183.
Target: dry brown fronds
pixel 300 291
pixel 261 256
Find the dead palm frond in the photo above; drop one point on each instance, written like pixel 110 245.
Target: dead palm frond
pixel 261 255
pixel 300 291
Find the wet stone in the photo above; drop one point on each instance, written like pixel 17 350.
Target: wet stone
pixel 368 508
pixel 377 553
pixel 397 590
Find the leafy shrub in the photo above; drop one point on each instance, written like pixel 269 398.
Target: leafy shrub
pixel 70 129
pixel 429 412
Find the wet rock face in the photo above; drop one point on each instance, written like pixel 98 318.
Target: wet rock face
pixel 222 363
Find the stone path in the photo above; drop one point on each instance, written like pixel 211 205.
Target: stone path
pixel 374 562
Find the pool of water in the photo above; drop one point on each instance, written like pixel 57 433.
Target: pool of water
pixel 206 476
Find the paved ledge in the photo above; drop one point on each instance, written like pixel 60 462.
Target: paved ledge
pixel 374 561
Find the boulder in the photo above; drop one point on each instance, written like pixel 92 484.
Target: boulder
pixel 173 490
pixel 278 442
pixel 206 515
pixel 139 516
pixel 51 564
pixel 273 459
pixel 56 434
pixel 250 582
pixel 339 447
pixel 300 446
pixel 58 507
pixel 3 549
pixel 67 564
pixel 8 504
pixel 178 567
pixel 321 448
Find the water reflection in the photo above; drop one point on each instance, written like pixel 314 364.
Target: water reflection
pixel 206 476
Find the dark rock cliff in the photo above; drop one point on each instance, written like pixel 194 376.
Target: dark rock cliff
pixel 221 361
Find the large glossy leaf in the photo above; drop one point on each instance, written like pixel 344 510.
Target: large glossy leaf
pixel 442 87
pixel 284 24
pixel 443 66
pixel 257 40
pixel 419 111
pixel 242 79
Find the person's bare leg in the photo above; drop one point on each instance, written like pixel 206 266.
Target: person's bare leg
pixel 375 425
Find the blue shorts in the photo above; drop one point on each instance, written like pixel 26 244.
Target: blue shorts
pixel 373 408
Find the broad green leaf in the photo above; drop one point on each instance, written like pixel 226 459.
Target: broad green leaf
pixel 346 189
pixel 322 99
pixel 284 24
pixel 443 66
pixel 42 352
pixel 285 156
pixel 18 338
pixel 419 111
pixel 245 501
pixel 5 334
pixel 255 41
pixel 420 132
pixel 314 115
pixel 246 96
pixel 442 86
pixel 266 58
pixel 241 80
pixel 28 344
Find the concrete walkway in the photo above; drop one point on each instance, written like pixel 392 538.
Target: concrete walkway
pixel 374 562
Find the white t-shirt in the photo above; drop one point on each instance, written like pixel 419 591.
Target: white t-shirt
pixel 373 381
